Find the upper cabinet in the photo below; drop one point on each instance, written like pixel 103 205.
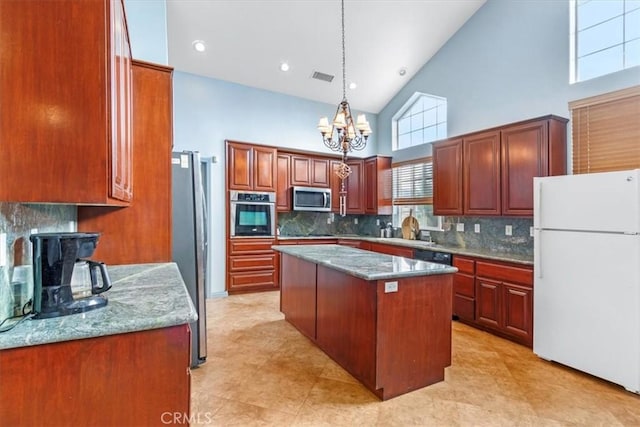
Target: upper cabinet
pixel 251 167
pixel 377 185
pixel 66 105
pixel 491 172
pixel 283 183
pixel 309 171
pixel 447 173
pixel 353 184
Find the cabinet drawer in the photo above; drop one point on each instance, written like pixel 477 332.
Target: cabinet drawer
pixel 250 246
pixel 464 307
pixel 255 280
pixel 256 262
pixel 465 265
pixel 507 273
pixel 464 285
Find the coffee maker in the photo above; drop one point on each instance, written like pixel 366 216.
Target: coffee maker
pixel 55 255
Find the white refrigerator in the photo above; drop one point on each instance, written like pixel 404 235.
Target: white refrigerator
pixel 587 274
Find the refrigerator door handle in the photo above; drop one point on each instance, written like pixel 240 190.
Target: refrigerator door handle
pixel 537 261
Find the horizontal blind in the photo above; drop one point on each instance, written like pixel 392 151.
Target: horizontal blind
pixel 606 132
pixel 413 182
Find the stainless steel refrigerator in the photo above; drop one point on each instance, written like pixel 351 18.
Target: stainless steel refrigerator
pixel 587 273
pixel 189 250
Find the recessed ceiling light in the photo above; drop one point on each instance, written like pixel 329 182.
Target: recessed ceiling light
pixel 402 71
pixel 352 85
pixel 199 45
pixel 284 66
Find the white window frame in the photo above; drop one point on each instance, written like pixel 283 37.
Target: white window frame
pixel 405 108
pixel 414 196
pixel 574 39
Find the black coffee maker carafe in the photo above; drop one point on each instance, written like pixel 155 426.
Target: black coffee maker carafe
pixel 54 258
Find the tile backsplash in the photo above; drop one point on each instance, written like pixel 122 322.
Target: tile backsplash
pixel 17 221
pixel 491 235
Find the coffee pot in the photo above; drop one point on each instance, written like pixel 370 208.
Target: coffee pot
pixel 64 282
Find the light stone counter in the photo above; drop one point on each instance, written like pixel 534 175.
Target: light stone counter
pixel 364 264
pixel 142 297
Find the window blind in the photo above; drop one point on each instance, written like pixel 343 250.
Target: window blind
pixel 606 132
pixel 413 182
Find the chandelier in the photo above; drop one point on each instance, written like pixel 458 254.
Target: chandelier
pixel 348 135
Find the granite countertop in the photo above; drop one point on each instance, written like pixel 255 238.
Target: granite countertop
pixel 142 297
pixel 364 264
pixel 420 244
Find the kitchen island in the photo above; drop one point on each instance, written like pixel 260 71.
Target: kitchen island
pixel 124 364
pixel 385 319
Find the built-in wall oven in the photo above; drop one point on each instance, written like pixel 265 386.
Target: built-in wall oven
pixel 252 213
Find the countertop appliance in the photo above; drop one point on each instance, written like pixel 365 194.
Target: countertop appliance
pixel 189 248
pixel 54 258
pixel 252 214
pixel 587 274
pixel 312 199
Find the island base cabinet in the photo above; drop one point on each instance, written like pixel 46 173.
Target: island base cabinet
pixel 138 378
pixel 298 294
pixel 393 343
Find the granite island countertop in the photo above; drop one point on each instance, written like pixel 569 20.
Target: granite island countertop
pixel 420 244
pixel 142 297
pixel 364 264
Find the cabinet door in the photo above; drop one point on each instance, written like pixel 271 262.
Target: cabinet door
pixel 518 313
pixel 264 168
pixel 488 311
pixel 300 171
pixel 524 156
pixel 239 167
pixel 121 106
pixel 320 173
pixel 447 177
pixel 355 190
pixel 482 174
pixel 283 191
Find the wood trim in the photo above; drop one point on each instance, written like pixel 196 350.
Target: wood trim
pixel 413 161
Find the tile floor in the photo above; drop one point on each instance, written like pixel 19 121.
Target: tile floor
pixel 261 371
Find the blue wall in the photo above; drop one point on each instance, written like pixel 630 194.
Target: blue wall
pixel 509 62
pixel 147 25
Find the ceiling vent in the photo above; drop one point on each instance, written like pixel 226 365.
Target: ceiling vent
pixel 322 76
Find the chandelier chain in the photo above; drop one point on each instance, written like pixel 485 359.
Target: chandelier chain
pixel 344 61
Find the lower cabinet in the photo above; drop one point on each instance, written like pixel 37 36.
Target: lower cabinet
pixel 464 289
pixel 251 266
pixel 504 300
pixel 391 250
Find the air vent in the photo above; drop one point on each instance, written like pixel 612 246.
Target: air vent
pixel 322 76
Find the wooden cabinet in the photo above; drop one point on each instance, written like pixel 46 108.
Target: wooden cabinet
pixel 283 183
pixel 309 171
pixel 464 291
pixel 251 167
pixel 491 172
pixel 298 294
pixel 481 174
pixel 66 102
pixel 530 149
pixel 504 300
pixel 116 380
pixel 391 249
pixel 447 177
pixel 377 185
pixel 145 225
pixel 251 265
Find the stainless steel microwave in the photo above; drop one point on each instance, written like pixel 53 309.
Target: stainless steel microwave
pixel 311 199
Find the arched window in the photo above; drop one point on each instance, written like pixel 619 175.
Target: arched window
pixel 422 119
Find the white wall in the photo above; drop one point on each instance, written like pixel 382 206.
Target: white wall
pixel 147 25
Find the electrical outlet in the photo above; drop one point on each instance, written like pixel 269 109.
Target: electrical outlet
pixel 390 287
pixel 3 249
pixel 72 226
pixel 531 231
pixel 476 228
pixel 378 221
pixel 355 221
pixel 329 220
pixel 508 230
pixel 460 226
